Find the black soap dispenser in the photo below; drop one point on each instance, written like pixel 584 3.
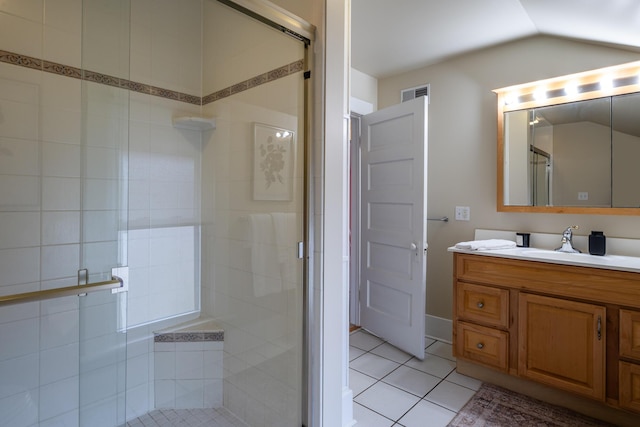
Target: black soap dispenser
pixel 597 243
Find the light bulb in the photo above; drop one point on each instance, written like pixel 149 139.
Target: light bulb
pixel 571 89
pixel 606 83
pixel 540 94
pixel 510 99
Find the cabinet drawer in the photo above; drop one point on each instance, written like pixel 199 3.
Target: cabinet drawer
pixel 629 377
pixel 630 334
pixel 483 345
pixel 483 304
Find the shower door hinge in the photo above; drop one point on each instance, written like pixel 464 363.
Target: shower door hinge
pixel 300 250
pixel 307 75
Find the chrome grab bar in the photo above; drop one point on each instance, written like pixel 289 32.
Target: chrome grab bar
pixel 115 283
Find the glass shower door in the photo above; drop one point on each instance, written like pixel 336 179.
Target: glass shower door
pixel 63 156
pixel 254 212
pixel 62 313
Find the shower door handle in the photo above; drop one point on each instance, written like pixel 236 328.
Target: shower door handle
pixel 119 283
pixel 119 275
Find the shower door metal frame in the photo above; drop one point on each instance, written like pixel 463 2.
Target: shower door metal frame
pixel 279 19
pixel 303 31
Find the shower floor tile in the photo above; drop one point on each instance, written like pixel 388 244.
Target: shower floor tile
pixel 187 418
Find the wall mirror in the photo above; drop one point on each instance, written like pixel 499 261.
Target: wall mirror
pixel 571 144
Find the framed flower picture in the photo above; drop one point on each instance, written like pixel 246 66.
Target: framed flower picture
pixel 273 163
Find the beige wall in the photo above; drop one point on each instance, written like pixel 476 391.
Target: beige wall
pixel 364 87
pixel 462 144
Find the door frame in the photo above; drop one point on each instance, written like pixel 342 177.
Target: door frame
pixel 359 108
pixel 354 218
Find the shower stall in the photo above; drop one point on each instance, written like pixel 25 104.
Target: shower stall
pixel 153 212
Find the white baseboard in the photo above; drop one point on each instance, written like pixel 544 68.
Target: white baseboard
pixel 438 328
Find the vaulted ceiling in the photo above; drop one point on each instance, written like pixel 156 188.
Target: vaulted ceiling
pixel 393 36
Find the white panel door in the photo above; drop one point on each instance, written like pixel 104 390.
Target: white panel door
pixel 393 224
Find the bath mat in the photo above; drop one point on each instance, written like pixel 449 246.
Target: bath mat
pixel 494 406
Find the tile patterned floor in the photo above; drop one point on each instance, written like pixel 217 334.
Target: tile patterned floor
pixel 187 418
pixel 390 388
pixel 393 388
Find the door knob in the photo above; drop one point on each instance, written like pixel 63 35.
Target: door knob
pixel 414 246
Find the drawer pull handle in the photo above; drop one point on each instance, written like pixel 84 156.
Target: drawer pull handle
pixel 480 345
pixel 480 304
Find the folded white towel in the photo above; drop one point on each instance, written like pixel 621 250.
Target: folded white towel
pixel 483 245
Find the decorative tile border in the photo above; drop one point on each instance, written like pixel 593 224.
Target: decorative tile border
pixel 63 70
pixel 21 60
pixel 189 336
pixel 278 73
pixel 91 76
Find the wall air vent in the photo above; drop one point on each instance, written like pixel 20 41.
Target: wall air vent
pixel 414 92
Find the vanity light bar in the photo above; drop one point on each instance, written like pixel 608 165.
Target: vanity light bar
pixel 624 78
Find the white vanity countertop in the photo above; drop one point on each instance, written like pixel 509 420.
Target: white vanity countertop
pixel 610 262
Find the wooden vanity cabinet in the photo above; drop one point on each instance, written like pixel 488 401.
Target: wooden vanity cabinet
pixel 548 323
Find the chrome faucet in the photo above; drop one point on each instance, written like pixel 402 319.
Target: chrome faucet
pixel 567 236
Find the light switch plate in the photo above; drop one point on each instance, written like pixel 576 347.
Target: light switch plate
pixel 463 213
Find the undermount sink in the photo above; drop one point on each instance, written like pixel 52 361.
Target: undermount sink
pixel 543 253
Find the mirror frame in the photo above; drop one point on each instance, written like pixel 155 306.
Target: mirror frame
pixel 624 79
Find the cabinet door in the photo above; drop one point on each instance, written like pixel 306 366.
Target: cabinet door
pixel 630 334
pixel 629 386
pixel 561 343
